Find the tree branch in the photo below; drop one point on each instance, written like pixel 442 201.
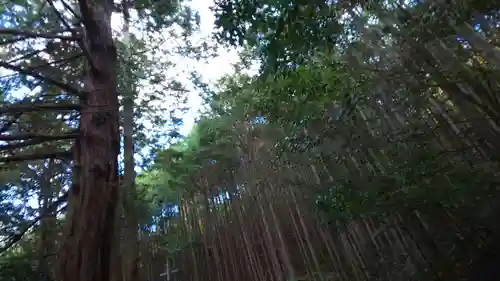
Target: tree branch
pixel 25 56
pixel 50 63
pixel 27 136
pixel 29 34
pixel 12 41
pixel 18 236
pixel 49 80
pixel 80 42
pixel 36 156
pixel 19 108
pixel 10 147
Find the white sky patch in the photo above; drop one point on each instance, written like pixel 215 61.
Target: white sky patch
pixel 211 69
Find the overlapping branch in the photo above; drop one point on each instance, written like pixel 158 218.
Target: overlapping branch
pixel 79 41
pixel 37 156
pixel 27 136
pixel 30 34
pixel 36 75
pixel 18 236
pixel 28 139
pixel 23 108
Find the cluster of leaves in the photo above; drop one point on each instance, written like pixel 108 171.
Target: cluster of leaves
pixel 18 267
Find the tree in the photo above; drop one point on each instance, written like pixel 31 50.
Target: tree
pixel 93 94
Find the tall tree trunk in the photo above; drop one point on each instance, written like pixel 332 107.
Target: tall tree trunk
pixel 86 253
pixel 130 265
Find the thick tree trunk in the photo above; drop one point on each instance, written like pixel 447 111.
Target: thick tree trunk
pixel 86 253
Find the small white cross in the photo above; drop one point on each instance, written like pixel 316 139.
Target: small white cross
pixel 168 271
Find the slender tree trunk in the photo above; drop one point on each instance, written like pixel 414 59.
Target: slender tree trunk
pixel 130 266
pixel 47 225
pixel 86 253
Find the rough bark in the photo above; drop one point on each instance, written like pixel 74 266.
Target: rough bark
pixel 86 252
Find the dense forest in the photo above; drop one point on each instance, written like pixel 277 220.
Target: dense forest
pixel 353 140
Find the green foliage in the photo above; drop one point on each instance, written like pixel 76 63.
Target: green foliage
pixel 285 32
pixel 18 266
pixel 358 103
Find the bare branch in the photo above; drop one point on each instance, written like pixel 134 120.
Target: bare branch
pixel 12 40
pixel 27 136
pixel 25 56
pixel 30 34
pixel 18 108
pixel 10 147
pixel 56 83
pixel 71 10
pixel 37 156
pixel 34 141
pixel 50 63
pixel 80 42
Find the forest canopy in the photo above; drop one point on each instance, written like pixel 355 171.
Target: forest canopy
pixel 353 140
